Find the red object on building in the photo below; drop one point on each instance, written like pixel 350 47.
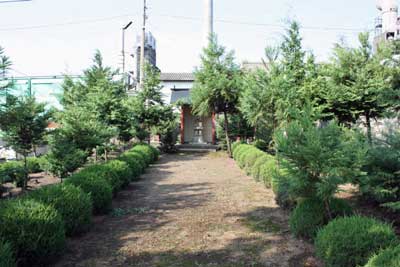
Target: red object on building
pixel 214 131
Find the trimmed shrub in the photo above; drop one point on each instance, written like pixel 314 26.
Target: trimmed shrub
pixel 156 153
pixel 74 206
pixel 34 230
pixel 6 255
pixel 387 258
pixel 121 170
pixel 261 144
pixel 251 158
pixel 34 164
pixel 310 215
pixel 235 145
pixel 147 152
pixel 267 171
pixel 101 171
pixel 12 171
pixel 351 241
pixel 99 189
pixel 256 169
pixel 281 185
pixel 238 150
pixel 139 163
pixel 243 154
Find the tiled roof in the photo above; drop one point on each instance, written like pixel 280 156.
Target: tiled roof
pixel 180 95
pixel 177 76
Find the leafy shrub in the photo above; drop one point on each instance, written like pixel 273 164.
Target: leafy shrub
pixel 34 230
pixel 261 144
pixel 238 150
pixel 99 189
pixel 351 241
pixel 235 145
pixel 267 171
pixel 119 169
pixel 256 169
pixel 318 159
pixel 6 255
pixel 34 164
pixel 383 167
pixel 280 185
pixel 310 215
pixel 149 155
pixel 104 172
pixel 243 153
pixel 135 162
pixel 251 158
pixel 12 171
pixel 386 258
pixel 74 205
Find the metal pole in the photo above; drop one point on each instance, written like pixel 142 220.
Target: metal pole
pixel 142 59
pixel 123 52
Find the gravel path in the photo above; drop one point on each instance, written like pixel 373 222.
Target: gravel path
pixel 191 210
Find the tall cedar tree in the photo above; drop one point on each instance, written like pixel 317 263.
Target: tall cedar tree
pixel 217 85
pixel 5 65
pixel 102 93
pixel 148 106
pixel 23 122
pixel 359 84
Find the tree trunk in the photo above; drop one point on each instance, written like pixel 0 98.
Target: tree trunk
pixel 25 182
pixel 369 128
pixel 228 140
pixel 105 155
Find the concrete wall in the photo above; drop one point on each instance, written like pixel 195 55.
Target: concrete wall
pixel 189 121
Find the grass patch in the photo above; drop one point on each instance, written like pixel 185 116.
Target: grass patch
pixel 264 225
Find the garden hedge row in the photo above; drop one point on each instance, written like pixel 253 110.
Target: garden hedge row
pixel 34 227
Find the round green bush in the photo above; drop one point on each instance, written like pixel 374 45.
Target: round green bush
pixel 236 145
pixel 156 153
pixel 281 185
pixel 256 169
pixel 387 258
pixel 243 154
pixel 12 171
pixel 310 215
pixel 148 153
pixel 139 163
pixel 267 171
pixel 351 241
pixel 101 171
pixel 34 164
pixel 238 150
pixel 251 159
pixel 99 189
pixel 121 170
pixel 74 205
pixel 6 255
pixel 34 230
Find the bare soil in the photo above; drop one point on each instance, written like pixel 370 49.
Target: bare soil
pixel 191 210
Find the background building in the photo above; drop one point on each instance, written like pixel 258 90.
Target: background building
pixel 150 52
pixel 387 24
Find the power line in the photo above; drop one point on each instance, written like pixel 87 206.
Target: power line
pixel 78 22
pixel 13 1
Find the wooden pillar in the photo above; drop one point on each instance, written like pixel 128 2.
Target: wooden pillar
pixel 214 129
pixel 183 125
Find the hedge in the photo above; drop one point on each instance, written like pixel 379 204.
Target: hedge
pixel 73 204
pixel 256 170
pixel 34 230
pixel 99 189
pixel 351 241
pixel 310 215
pixel 6 255
pixel 35 164
pixel 149 154
pixel 386 258
pixel 135 161
pixel 12 171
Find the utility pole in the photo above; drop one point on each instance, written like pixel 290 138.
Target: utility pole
pixel 142 59
pixel 123 45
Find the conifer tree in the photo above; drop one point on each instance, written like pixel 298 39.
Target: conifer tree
pixel 217 85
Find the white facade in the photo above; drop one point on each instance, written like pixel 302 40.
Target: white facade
pixel 387 25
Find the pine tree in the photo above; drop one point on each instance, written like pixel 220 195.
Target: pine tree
pixel 217 85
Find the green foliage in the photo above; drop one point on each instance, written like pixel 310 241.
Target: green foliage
pixel 74 206
pixel 238 128
pixel 23 122
pixel 12 171
pixel 99 189
pixel 5 66
pixel 383 167
pixel 35 164
pixel 121 170
pixel 64 157
pixel 259 164
pixel 6 255
pixel 351 241
pixel 135 161
pixel 318 159
pixel 310 215
pixel 386 258
pixel 267 171
pixel 149 154
pixel 261 144
pixel 217 84
pixel 280 183
pixel 35 231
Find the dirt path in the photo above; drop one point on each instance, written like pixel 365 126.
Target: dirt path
pixel 190 210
